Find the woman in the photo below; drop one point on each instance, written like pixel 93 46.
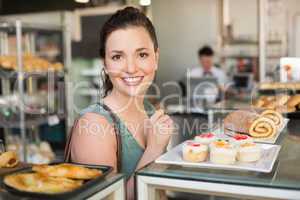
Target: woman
pixel 130 53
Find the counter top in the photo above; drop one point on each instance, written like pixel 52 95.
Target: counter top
pixel 285 173
pixel 108 180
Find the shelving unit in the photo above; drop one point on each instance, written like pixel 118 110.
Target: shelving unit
pixel 27 83
pixel 92 76
pixel 265 47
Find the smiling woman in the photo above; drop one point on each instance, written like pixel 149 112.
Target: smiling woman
pixel 124 131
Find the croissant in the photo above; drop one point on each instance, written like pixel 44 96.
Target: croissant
pixel 67 171
pixel 35 182
pixel 9 159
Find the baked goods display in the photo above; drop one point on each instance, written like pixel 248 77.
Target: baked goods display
pixel 281 103
pixel 35 182
pixel 250 122
pixel 30 63
pixel 222 152
pixel 248 152
pixel 8 159
pixel 51 178
pixel 193 151
pixel 67 170
pixel 280 86
pixel 205 138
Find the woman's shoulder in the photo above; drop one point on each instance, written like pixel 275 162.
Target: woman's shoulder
pixel 96 110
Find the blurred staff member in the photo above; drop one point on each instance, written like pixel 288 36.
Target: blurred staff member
pixel 207 67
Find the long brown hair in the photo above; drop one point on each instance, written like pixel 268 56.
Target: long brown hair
pixel 122 19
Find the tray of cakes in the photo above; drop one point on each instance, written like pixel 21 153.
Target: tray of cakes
pixel 263 125
pixel 210 151
pixel 54 181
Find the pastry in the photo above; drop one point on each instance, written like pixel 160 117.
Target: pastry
pixel 294 101
pixel 239 139
pixel 281 99
pixel 194 151
pixel 35 182
pixel 205 138
pixel 291 109
pixel 249 152
pixel 262 128
pixel 9 159
pixel 251 123
pixel 273 115
pixel 270 105
pixel 30 63
pixel 68 171
pixel 222 152
pixel 281 109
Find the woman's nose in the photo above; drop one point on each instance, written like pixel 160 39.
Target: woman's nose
pixel 131 66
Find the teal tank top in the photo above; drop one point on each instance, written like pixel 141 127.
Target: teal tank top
pixel 131 150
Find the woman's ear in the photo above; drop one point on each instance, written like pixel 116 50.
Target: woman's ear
pixel 104 65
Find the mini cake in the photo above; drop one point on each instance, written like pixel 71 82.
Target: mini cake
pixel 239 139
pixel 205 138
pixel 222 152
pixel 249 152
pixel 194 151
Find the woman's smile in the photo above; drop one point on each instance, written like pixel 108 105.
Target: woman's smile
pixel 133 80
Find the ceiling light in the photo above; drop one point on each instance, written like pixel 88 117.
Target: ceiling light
pixel 82 1
pixel 145 2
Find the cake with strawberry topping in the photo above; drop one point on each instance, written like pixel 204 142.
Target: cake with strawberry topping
pixel 193 151
pixel 222 152
pixel 205 138
pixel 239 139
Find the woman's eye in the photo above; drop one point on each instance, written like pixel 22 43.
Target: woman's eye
pixel 116 57
pixel 143 55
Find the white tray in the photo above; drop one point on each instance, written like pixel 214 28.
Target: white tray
pixel 272 140
pixel 265 164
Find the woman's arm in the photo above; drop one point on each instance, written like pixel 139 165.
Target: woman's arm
pixel 94 141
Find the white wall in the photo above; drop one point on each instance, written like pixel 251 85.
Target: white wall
pixel 293 10
pixel 243 16
pixel 182 27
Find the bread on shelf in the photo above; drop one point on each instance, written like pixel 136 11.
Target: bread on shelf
pixel 281 103
pixel 30 63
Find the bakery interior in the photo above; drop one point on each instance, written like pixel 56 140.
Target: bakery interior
pixel 50 70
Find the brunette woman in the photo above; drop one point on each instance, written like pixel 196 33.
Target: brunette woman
pixel 124 131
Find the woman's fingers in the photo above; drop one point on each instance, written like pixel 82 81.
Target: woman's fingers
pixel 163 118
pixel 157 115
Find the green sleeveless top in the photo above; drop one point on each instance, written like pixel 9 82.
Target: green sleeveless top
pixel 131 150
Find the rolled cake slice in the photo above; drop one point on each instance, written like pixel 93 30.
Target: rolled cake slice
pixel 250 122
pixel 273 115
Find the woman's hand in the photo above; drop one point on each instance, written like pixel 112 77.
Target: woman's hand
pixel 159 129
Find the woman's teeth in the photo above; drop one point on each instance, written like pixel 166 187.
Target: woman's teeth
pixel 132 81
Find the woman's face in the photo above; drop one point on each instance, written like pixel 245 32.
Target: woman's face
pixel 130 60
